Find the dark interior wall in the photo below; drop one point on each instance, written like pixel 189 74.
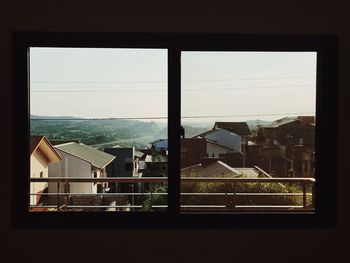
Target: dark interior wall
pixel 254 16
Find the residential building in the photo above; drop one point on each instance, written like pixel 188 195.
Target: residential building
pixel 80 160
pixel 159 145
pixel 42 153
pixel 224 138
pixel 239 128
pixel 195 150
pixel 286 147
pixel 157 165
pixel 126 164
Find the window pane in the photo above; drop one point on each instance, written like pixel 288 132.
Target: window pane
pixel 98 122
pixel 249 130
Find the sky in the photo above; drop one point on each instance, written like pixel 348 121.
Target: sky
pixel 107 83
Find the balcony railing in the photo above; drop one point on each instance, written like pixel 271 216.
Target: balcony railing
pixel 234 194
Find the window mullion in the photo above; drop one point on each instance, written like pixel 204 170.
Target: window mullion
pixel 174 80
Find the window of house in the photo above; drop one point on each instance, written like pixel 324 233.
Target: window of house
pixel 182 91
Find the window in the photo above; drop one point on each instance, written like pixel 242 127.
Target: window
pixel 176 45
pixel 132 84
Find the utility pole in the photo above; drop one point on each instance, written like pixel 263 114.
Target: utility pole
pixel 244 151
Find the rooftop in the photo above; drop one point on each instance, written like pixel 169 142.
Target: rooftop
pixel 286 120
pixel 42 143
pixel 96 157
pixel 220 169
pixel 240 128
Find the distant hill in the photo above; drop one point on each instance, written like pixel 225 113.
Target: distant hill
pixel 106 133
pixel 97 132
pixel 52 117
pixel 193 131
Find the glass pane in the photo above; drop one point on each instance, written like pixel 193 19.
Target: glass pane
pixel 98 122
pixel 249 129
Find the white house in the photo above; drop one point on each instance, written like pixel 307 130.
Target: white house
pixel 42 153
pixel 79 160
pixel 225 138
pixel 214 149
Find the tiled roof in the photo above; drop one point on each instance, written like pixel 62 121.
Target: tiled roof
pixel 280 122
pixel 304 119
pixel 96 157
pixel 202 135
pixel 219 169
pixel 240 128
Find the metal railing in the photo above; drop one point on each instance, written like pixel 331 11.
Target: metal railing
pixel 232 193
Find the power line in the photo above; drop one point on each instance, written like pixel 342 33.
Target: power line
pixel 162 81
pixel 162 90
pixel 165 117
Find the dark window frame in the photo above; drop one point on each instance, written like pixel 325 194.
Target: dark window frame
pixel 325 215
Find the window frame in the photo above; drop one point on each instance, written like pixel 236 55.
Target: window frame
pixel 325 214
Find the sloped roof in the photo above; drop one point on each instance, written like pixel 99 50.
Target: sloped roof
pixel 199 137
pixel 138 154
pixel 42 143
pixel 281 122
pixel 219 169
pixel 240 128
pixel 202 135
pixel 96 157
pixel 158 140
pixel 310 120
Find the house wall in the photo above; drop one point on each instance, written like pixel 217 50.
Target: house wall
pixel 191 151
pixel 180 245
pixel 38 163
pixel 123 156
pixel 214 150
pixel 226 138
pixel 72 166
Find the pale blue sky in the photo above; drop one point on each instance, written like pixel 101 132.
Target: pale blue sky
pixel 100 83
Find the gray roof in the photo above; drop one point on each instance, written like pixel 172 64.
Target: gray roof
pixel 281 122
pixel 138 154
pixel 239 128
pixel 219 169
pixel 96 157
pixel 202 135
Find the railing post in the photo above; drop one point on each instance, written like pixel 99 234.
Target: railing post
pixel 313 195
pixel 143 196
pixel 234 194
pixel 58 196
pixel 66 187
pixel 304 194
pixel 151 198
pixel 226 196
pixel 132 197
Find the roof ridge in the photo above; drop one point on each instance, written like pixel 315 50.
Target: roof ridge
pixel 66 143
